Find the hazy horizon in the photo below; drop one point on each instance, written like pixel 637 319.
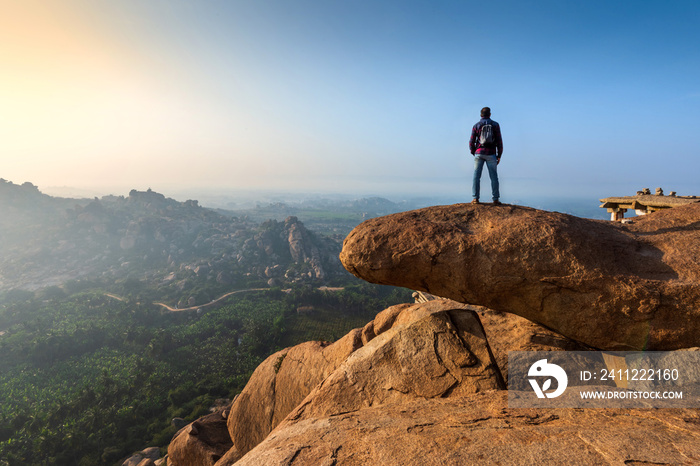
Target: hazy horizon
pixel 349 97
pixel 242 199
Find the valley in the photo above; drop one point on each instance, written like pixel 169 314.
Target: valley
pixel 98 355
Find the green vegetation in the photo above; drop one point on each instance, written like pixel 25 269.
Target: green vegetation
pixel 93 369
pixel 88 379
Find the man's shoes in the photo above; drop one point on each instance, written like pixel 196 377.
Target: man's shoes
pixel 475 201
pixel 497 202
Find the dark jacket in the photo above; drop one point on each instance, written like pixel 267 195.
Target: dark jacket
pixel 476 148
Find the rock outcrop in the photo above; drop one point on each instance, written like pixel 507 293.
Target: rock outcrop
pixel 200 443
pixel 478 429
pixel 49 241
pixel 433 350
pixel 278 385
pixel 301 246
pixel 422 384
pixel 610 286
pixel 412 351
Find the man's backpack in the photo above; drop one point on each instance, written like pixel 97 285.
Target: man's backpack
pixel 486 136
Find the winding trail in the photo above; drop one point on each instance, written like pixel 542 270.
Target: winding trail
pixel 211 303
pixel 220 298
pixel 118 298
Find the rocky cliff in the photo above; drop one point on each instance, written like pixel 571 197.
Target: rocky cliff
pixel 424 383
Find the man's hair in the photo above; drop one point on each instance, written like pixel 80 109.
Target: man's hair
pixel 485 112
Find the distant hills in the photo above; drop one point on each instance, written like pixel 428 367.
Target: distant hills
pixel 323 215
pixel 185 249
pixel 147 239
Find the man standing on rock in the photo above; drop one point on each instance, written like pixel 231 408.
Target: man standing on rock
pixel 486 146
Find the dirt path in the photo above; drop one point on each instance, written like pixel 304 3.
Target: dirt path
pixel 211 303
pixel 220 298
pixel 114 296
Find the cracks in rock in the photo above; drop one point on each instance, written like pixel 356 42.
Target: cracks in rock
pixel 436 336
pixel 673 427
pixel 642 462
pixel 457 377
pixel 419 427
pixel 471 422
pixel 451 324
pixel 273 403
pixel 534 420
pixel 537 420
pixel 342 413
pixel 278 363
pixel 298 411
pixel 323 355
pixel 450 389
pixel 403 392
pixel 334 455
pixel 331 460
pixel 595 448
pixel 290 459
pixel 500 380
pixel 561 281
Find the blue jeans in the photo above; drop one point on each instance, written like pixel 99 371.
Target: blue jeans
pixel 491 163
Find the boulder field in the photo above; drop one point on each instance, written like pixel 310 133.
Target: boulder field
pixel 611 286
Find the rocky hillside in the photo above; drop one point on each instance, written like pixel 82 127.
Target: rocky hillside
pixel 146 236
pixel 424 383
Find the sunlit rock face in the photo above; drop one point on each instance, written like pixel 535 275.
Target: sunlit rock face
pixel 202 442
pixel 437 349
pixel 480 429
pixel 278 385
pixel 611 286
pixel 425 381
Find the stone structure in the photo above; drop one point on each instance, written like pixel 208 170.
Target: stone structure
pixel 644 203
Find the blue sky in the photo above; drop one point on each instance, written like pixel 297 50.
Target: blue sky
pixel 594 98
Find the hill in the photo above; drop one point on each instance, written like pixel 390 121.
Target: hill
pixel 146 239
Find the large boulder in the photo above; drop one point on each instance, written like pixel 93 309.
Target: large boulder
pixel 200 443
pixel 480 429
pixel 278 385
pixel 410 351
pixel 508 332
pixel 432 350
pixel 611 286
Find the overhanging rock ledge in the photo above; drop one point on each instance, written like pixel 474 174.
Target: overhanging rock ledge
pixel 610 286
